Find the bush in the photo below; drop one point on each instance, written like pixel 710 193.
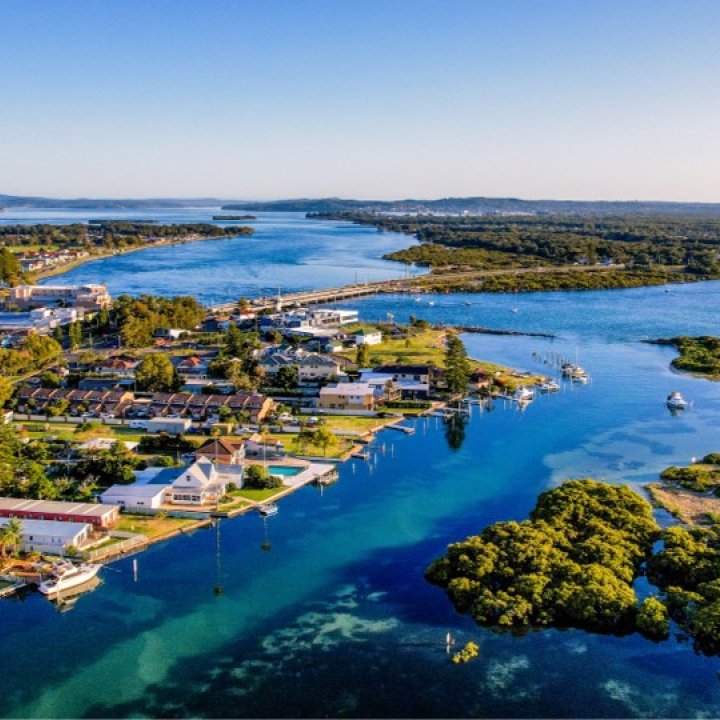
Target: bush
pixel 162 442
pixel 258 478
pixel 652 618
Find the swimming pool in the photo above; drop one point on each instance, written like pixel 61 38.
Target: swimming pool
pixel 284 470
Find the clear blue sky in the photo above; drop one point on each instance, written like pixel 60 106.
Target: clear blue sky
pixel 361 98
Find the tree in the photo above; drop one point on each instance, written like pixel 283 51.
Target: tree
pixel 652 618
pixel 324 439
pixel 273 336
pixel 75 334
pixel 156 373
pixel 362 355
pixel 10 536
pixel 6 390
pixel 49 379
pixel 287 377
pixel 457 366
pixel 258 478
pixel 108 467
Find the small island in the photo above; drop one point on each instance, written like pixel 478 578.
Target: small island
pixel 228 218
pixel 574 564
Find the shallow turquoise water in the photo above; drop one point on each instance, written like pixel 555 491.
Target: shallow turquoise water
pixel 336 618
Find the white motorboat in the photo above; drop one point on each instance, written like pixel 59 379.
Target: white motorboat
pixel 577 374
pixel 675 401
pixel 65 576
pixel 550 386
pixel 268 509
pixel 523 394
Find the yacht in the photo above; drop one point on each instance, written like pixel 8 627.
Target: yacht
pixel 675 401
pixel 523 394
pixel 268 509
pixel 577 374
pixel 65 576
pixel 550 386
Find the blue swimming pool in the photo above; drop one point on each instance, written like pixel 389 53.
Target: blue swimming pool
pixel 284 470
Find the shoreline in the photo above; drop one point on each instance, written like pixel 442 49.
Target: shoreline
pixel 37 276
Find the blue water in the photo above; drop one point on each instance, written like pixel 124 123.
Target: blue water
pixel 287 252
pixel 336 618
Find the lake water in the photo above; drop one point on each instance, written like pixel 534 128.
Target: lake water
pixel 336 618
pixel 286 252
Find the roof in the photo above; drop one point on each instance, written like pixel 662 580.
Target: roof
pixel 53 506
pixel 106 444
pixel 55 528
pixel 220 446
pixel 352 389
pixel 145 490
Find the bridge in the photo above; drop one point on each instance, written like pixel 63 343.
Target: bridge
pixel 399 285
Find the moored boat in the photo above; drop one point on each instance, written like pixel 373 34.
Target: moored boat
pixel 523 394
pixel 675 401
pixel 65 576
pixel 268 509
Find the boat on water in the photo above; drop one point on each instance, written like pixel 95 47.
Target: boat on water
pixel 268 509
pixel 675 401
pixel 65 576
pixel 549 386
pixel 579 375
pixel 523 394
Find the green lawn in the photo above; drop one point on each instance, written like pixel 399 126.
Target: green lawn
pixel 152 526
pixel 257 495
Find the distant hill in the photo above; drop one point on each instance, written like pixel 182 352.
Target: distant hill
pixel 480 206
pixel 8 202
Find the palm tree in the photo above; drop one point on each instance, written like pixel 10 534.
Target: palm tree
pixel 10 536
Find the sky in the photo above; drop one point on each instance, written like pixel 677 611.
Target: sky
pixel 385 99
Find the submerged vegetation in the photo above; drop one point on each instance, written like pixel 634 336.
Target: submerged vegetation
pixel 574 563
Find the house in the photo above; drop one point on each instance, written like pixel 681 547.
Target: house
pixel 194 365
pixel 169 425
pixel 229 451
pixel 200 406
pixel 422 373
pixel 258 446
pixel 204 483
pixel 105 443
pixel 394 389
pixel 52 537
pixel 118 366
pixel 39 400
pixel 168 333
pixel 99 516
pixel 347 396
pixel 316 368
pixel 137 496
pixel 367 337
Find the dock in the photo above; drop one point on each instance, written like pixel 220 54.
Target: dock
pixel 401 428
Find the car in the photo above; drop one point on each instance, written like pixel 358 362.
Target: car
pixel 88 415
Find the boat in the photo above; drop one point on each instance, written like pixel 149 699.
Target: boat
pixel 549 386
pixel 268 509
pixel 523 394
pixel 675 401
pixel 578 374
pixel 65 576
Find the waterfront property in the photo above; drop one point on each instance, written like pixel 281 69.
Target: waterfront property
pixel 88 297
pixel 228 451
pixel 136 496
pixel 52 537
pixel 99 516
pixel 347 396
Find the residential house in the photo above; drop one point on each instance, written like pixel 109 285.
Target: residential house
pixel 228 451
pixel 260 447
pixel 367 337
pixel 347 396
pixel 204 483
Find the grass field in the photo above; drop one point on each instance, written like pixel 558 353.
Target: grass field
pixel 152 526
